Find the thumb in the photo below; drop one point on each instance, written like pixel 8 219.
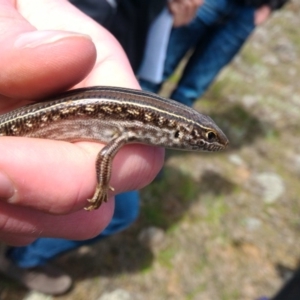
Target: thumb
pixel 35 63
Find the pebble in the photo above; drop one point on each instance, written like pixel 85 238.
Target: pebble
pixel 118 294
pixel 252 224
pixel 249 100
pixel 296 164
pixel 33 295
pixel 270 186
pixel 295 98
pixel 285 50
pixel 260 72
pixel 271 59
pixel 261 35
pixel 152 237
pixel 236 160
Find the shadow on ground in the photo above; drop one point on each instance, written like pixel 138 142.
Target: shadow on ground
pixel 122 253
pixel 241 127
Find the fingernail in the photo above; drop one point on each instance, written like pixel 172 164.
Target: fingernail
pixel 7 189
pixel 36 38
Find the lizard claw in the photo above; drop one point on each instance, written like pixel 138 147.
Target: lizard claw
pixel 98 198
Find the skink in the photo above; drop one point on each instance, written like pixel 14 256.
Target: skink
pixel 115 116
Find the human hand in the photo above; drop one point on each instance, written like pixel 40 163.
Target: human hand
pixel 262 14
pixel 183 11
pixel 44 184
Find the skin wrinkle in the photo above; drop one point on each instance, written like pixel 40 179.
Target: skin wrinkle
pixel 89 150
pixel 48 156
pixel 107 42
pixel 3 223
pixel 152 161
pixel 29 14
pixel 91 29
pixel 7 14
pixel 16 240
pixel 9 223
pixel 131 158
pixel 13 74
pixel 64 17
pixel 30 227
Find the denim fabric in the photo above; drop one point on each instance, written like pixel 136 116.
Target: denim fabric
pixel 218 48
pixel 44 249
pixel 216 34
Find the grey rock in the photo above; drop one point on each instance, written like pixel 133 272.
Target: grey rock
pixel 295 98
pixel 249 100
pixel 118 294
pixel 262 35
pixel 261 72
pixel 296 164
pixel 252 224
pixel 236 160
pixel 37 296
pixel 285 50
pixel 271 59
pixel 152 237
pixel 270 186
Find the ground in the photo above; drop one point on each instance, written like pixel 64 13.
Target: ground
pixel 221 226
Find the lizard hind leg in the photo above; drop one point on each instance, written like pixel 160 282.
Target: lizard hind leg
pixel 103 170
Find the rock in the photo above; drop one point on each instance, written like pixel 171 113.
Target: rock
pixel 236 160
pixel 295 98
pixel 252 224
pixel 292 71
pixel 118 294
pixel 271 59
pixel 249 100
pixel 269 185
pixel 285 50
pixel 33 295
pixel 296 164
pixel 152 237
pixel 262 35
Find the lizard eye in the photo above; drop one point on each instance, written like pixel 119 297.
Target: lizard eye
pixel 210 135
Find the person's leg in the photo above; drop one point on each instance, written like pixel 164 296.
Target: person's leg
pixel 184 38
pixel 291 290
pixel 44 249
pixel 180 41
pixel 149 86
pixel 213 53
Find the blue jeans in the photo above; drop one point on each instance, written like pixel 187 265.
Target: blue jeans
pixel 216 34
pixel 44 249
